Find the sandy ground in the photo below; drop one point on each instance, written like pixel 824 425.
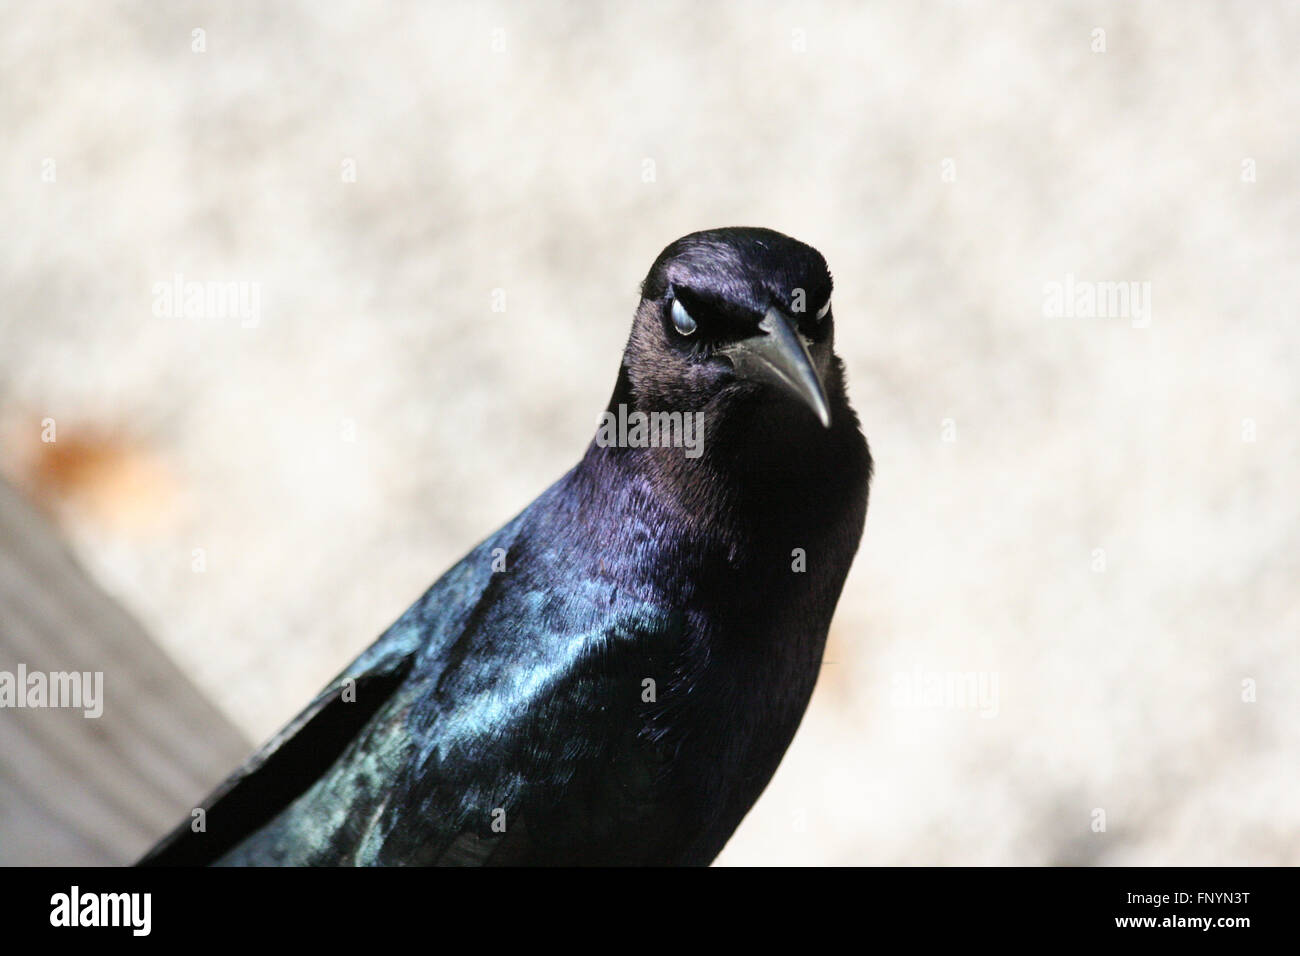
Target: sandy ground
pixel 1093 520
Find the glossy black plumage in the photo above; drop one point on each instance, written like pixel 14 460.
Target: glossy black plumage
pixel 507 717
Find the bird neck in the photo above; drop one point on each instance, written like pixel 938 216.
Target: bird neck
pixel 762 465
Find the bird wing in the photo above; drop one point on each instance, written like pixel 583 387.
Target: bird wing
pixel 277 773
pixel 560 757
pixel 504 718
pixel 300 753
pixel 529 738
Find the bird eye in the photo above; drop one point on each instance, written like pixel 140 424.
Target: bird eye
pixel 821 313
pixel 682 320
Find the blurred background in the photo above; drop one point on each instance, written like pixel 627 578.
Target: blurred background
pixel 1070 633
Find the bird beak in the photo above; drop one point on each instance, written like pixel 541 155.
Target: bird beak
pixel 779 357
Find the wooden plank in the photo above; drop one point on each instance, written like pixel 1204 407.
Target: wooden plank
pixel 79 790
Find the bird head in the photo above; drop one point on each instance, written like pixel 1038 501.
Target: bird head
pixel 734 317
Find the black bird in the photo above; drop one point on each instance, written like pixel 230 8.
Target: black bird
pixel 612 677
